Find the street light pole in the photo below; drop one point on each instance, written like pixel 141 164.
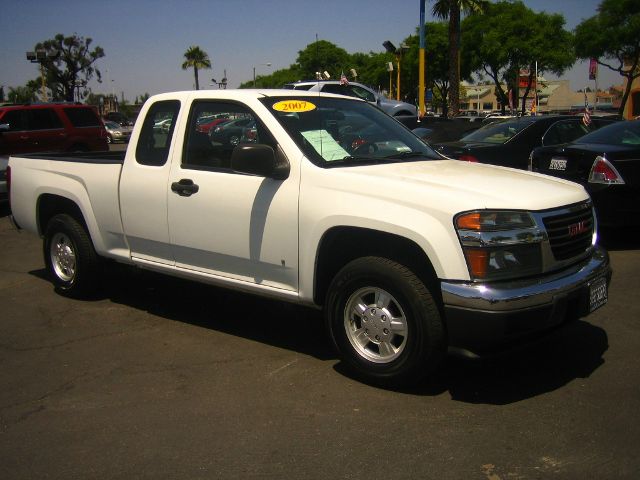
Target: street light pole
pixel 391 48
pixel 40 56
pixel 421 63
pixel 268 64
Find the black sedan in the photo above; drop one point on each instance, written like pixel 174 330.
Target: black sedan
pixel 607 163
pixel 509 142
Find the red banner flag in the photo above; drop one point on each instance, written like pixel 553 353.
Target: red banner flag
pixel 593 69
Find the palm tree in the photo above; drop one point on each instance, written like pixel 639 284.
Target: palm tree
pixel 450 9
pixel 198 59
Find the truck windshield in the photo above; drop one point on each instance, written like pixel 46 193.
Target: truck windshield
pixel 334 132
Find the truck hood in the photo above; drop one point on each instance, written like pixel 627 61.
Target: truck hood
pixel 454 186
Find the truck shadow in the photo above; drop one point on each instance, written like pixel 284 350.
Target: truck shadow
pixel 620 239
pixel 574 352
pixel 243 315
pixel 5 210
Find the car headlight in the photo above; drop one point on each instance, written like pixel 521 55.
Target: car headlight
pixel 500 244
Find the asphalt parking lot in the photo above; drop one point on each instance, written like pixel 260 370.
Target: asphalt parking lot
pixel 161 378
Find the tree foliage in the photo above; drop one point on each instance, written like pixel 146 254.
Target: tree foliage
pixel 197 59
pixel 613 38
pixel 324 56
pixel 69 64
pixel 509 37
pixel 21 95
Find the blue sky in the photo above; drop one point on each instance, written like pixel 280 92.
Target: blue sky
pixel 145 40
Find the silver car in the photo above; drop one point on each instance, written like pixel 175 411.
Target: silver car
pixel 116 132
pixel 391 107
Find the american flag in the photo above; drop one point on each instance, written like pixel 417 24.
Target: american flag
pixel 343 79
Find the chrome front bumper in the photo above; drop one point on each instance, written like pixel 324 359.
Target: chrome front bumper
pixel 483 317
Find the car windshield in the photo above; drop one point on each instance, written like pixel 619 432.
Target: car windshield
pixel 334 132
pixel 499 132
pixel 619 133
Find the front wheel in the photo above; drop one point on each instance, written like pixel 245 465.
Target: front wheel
pixel 384 322
pixel 69 256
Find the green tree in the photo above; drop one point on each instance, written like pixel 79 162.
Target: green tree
pixel 452 10
pixel 322 56
pixel 69 64
pixel 21 95
pixel 276 79
pixel 612 37
pixel 197 59
pixel 507 37
pixel 326 56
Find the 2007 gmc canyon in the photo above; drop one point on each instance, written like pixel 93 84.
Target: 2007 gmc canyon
pixel 326 201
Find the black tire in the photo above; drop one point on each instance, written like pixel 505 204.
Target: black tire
pixel 70 258
pixel 384 322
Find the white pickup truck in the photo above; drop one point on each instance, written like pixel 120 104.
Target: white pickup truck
pixel 325 201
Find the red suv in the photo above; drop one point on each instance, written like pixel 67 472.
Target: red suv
pixel 50 127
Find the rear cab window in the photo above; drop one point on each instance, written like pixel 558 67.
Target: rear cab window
pixel 156 133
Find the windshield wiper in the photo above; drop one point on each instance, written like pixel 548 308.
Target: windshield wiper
pixel 401 155
pixel 359 160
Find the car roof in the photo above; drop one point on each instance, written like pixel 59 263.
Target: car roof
pixel 314 82
pixel 44 105
pixel 247 93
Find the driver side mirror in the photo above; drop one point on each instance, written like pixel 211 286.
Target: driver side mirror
pixel 4 127
pixel 260 160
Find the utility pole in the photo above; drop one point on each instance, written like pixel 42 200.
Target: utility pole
pixel 421 73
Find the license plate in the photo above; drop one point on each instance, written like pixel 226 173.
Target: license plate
pixel 558 164
pixel 597 293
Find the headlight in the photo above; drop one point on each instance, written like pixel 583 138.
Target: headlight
pixel 500 244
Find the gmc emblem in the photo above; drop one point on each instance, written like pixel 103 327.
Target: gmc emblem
pixel 578 228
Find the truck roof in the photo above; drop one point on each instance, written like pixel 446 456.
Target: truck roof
pixel 244 94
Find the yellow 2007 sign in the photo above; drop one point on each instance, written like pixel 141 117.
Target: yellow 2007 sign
pixel 295 106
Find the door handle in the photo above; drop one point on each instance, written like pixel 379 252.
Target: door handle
pixel 185 187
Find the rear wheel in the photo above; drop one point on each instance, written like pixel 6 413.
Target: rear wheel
pixel 70 257
pixel 384 322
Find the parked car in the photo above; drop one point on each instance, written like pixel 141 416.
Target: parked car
pixel 353 89
pixel 119 118
pixel 439 130
pixel 51 127
pixel 399 246
pixel 205 124
pixel 231 131
pixel 607 163
pixel 509 142
pixel 163 126
pixel 116 132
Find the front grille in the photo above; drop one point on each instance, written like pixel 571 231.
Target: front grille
pixel 570 233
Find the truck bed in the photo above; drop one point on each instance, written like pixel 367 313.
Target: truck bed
pixel 89 179
pixel 83 157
